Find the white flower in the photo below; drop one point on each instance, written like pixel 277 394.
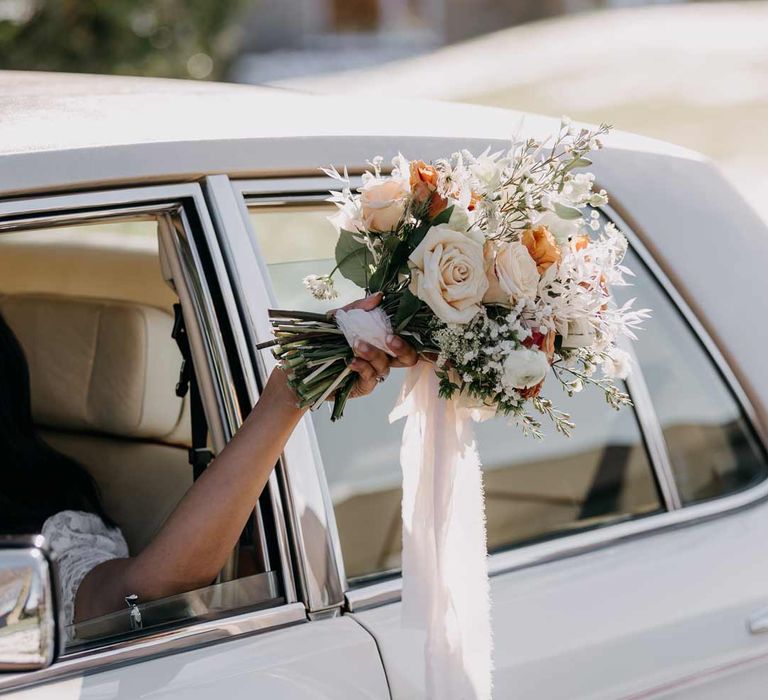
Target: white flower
pixel 524 369
pixel 516 271
pixel 321 286
pixel 579 334
pixel 618 365
pixel 448 274
pixel 488 170
pixel 383 203
pixel 460 218
pixel 561 229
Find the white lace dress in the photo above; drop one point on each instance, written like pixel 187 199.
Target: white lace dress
pixel 81 541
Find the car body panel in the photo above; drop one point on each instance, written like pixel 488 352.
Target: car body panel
pixel 326 659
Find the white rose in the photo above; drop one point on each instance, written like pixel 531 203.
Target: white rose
pixel 516 271
pixel 524 369
pixel 579 334
pixel 383 203
pixel 447 273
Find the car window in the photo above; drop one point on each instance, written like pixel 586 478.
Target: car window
pixel 533 489
pixel 712 449
pixel 72 295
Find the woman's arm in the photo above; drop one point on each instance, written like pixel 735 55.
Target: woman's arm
pixel 196 540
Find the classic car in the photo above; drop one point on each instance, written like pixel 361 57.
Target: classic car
pixel 626 562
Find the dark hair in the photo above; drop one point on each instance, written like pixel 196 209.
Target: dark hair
pixel 36 481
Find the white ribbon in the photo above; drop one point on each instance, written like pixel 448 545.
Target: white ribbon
pixel 445 574
pixel 445 568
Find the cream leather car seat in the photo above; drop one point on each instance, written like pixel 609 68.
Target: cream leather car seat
pixel 103 375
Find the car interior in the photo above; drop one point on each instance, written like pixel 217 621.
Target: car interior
pixel 93 309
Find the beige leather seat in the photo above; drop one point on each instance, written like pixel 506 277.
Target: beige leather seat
pixel 103 375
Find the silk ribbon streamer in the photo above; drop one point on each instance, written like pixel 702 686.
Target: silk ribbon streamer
pixel 445 567
pixel 445 572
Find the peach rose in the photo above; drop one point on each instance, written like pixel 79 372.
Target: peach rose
pixel 542 247
pixel 383 203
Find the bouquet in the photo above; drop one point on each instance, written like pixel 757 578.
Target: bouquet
pixel 497 267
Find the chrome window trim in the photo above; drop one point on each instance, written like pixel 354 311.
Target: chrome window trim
pixel 320 576
pixel 155 202
pixel 152 646
pixel 276 191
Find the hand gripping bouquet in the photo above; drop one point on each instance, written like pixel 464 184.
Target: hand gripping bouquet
pixel 498 269
pixel 496 266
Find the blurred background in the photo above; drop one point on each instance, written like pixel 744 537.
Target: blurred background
pixel 695 73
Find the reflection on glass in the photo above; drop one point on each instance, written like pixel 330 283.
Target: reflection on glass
pixel 533 489
pixel 711 447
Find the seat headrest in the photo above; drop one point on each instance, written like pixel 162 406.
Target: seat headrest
pixel 98 365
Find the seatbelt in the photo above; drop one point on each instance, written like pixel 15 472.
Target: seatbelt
pixel 199 454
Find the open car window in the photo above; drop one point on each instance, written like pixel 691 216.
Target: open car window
pixel 534 490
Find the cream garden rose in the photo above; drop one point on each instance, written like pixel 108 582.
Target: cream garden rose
pixel 524 369
pixel 383 203
pixel 512 273
pixel 448 274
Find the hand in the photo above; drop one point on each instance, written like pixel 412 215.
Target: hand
pixel 371 364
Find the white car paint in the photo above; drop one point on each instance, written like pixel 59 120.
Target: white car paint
pixel 322 660
pixel 661 614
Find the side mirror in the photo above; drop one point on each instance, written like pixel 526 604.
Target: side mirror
pixel 28 615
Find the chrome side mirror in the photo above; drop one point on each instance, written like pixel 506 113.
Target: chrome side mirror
pixel 28 629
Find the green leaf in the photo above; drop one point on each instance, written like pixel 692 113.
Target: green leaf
pixel 352 259
pixel 577 163
pixel 409 306
pixel 566 212
pixel 443 217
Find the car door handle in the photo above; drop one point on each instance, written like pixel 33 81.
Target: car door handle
pixel 758 623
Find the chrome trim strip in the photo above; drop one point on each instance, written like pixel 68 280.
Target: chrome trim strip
pixel 652 433
pixel 160 644
pixel 320 573
pixel 225 208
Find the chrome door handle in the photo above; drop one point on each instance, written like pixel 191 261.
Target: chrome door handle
pixel 758 623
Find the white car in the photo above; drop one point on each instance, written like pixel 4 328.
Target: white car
pixel 626 562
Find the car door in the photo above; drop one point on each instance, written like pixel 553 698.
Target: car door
pixel 244 635
pixel 625 562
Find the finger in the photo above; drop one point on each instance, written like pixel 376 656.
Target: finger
pixel 405 353
pixel 377 358
pixel 370 302
pixel 366 381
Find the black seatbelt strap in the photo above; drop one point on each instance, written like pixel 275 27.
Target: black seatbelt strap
pixel 199 454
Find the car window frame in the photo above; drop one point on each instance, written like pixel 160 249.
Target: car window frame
pixel 313 189
pixel 182 208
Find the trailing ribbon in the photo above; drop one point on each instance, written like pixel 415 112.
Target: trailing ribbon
pixel 445 574
pixel 445 568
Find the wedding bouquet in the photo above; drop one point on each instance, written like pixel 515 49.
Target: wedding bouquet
pixel 495 266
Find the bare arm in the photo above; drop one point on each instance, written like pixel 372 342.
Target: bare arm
pixel 196 540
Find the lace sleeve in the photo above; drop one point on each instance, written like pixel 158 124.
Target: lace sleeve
pixel 81 541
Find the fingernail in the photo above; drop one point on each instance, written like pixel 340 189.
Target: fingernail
pixel 394 342
pixel 360 346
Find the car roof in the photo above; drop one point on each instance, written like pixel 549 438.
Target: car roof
pixel 62 129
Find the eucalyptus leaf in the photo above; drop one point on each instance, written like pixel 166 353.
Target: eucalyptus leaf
pixel 578 163
pixel 406 310
pixel 566 212
pixel 352 258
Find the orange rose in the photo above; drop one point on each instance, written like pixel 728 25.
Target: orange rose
pixel 542 247
pixel 423 180
pixel 543 341
pixel 436 205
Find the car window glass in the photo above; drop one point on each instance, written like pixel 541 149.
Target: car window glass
pixel 533 489
pixel 711 447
